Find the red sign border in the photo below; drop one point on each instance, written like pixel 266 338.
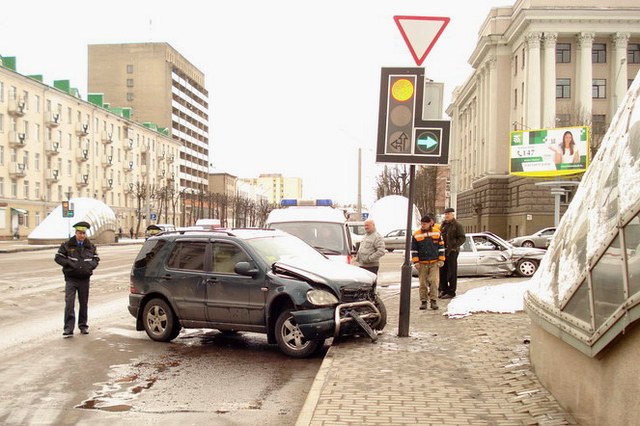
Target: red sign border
pixel 444 19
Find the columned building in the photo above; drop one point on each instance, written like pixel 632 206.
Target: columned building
pixel 537 64
pixel 162 87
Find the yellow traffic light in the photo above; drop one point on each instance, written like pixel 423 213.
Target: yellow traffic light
pixel 402 90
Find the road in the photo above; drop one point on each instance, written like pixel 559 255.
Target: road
pixel 117 375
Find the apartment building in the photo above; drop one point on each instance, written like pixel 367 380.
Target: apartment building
pixel 55 146
pixel 537 64
pixel 162 87
pixel 276 187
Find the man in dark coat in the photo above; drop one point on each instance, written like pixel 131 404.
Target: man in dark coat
pixel 78 258
pixel 454 237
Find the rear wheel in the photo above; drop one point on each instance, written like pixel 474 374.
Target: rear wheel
pixel 528 244
pixel 527 267
pixel 159 321
pixel 290 339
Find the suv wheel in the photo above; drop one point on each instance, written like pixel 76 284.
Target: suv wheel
pixel 383 313
pixel 159 321
pixel 290 338
pixel 527 267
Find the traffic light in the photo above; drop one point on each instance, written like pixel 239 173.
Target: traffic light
pixel 401 103
pixel 67 209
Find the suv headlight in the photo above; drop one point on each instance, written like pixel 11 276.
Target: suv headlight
pixel 321 298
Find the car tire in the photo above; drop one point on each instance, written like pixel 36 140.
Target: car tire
pixel 526 267
pixel 528 244
pixel 159 321
pixel 383 313
pixel 290 339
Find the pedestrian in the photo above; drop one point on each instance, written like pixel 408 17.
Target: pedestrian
pixel 427 254
pixel 454 237
pixel 131 232
pixel 120 232
pixel 371 248
pixel 78 258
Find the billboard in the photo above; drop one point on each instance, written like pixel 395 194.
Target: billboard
pixel 549 152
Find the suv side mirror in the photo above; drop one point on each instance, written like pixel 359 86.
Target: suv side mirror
pixel 245 268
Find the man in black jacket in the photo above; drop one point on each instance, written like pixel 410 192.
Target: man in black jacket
pixel 78 258
pixel 454 237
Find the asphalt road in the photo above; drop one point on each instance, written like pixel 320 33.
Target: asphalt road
pixel 117 375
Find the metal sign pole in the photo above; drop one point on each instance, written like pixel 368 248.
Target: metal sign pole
pixel 405 277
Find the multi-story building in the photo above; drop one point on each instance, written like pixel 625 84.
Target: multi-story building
pixel 276 187
pixel 162 87
pixel 537 64
pixel 55 146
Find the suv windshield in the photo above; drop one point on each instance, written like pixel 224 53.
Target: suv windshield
pixel 282 247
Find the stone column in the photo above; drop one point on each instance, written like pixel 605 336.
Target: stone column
pixel 492 113
pixel 619 76
pixel 584 77
pixel 533 81
pixel 549 82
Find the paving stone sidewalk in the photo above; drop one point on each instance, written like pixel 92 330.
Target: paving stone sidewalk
pixel 469 371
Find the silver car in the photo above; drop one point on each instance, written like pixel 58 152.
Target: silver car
pixel 539 239
pixel 485 253
pixel 395 240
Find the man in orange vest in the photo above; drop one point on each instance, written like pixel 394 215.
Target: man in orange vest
pixel 427 254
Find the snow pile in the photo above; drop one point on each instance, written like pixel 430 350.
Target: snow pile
pixel 505 298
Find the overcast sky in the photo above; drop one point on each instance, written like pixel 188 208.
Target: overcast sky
pixel 293 85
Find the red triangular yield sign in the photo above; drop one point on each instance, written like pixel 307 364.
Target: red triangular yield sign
pixel 420 33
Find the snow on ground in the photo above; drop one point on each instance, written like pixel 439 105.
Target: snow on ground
pixel 503 298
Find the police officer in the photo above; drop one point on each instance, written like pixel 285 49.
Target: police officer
pixel 78 258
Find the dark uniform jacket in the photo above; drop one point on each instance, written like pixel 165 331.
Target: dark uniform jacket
pixel 453 236
pixel 77 262
pixel 427 246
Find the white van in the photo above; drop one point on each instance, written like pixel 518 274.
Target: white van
pixel 324 228
pixel 209 223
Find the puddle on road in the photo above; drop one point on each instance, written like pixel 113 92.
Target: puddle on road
pixel 128 382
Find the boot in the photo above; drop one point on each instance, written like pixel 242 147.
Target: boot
pixel 423 306
pixel 434 305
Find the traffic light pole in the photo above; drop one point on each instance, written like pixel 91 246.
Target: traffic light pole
pixel 405 277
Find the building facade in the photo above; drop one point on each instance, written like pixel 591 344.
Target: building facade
pixel 162 87
pixel 537 64
pixel 55 146
pixel 276 187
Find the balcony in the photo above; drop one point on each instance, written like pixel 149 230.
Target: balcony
pixel 106 137
pixel 129 188
pixel 82 156
pixel 128 167
pixel 107 160
pixel 171 158
pixel 161 173
pixel 53 175
pixel 52 149
pixel 128 146
pixel 17 170
pixel 16 107
pixel 82 129
pixel 161 156
pixel 17 139
pixel 82 180
pixel 107 184
pixel 52 119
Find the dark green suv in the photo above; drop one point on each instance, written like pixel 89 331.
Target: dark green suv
pixel 256 280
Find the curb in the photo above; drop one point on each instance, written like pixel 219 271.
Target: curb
pixel 310 404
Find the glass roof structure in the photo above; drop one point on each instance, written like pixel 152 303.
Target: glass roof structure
pixel 587 289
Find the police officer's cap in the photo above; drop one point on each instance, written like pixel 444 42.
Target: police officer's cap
pixel 82 226
pixel 449 210
pixel 153 229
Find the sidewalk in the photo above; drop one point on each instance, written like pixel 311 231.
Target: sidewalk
pixel 469 371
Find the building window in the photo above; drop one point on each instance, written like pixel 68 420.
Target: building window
pixel 129 69
pixel 26 189
pixel 1 91
pixel 599 53
pixel 563 88
pixel 515 98
pixel 36 191
pixel 129 96
pixel 599 124
pixel 129 82
pixel 633 53
pixel 599 88
pixel 1 123
pixel 563 53
pixel 563 120
pixel 1 187
pixel 522 93
pixel 515 65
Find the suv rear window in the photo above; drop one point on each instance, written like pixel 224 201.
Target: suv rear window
pixel 188 255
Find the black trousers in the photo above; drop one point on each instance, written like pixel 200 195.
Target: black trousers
pixel 449 274
pixel 373 269
pixel 71 287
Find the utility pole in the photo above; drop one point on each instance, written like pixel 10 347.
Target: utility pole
pixel 359 201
